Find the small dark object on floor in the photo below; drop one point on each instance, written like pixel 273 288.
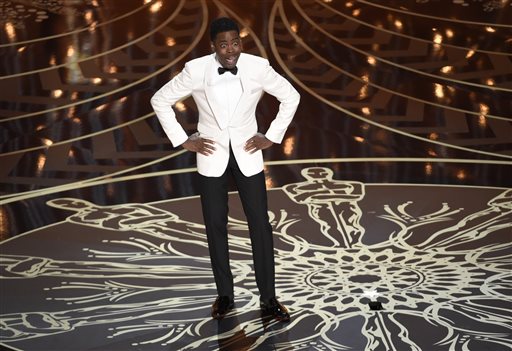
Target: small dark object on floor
pixel 375 305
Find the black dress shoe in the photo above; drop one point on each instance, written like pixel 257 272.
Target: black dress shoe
pixel 221 306
pixel 274 308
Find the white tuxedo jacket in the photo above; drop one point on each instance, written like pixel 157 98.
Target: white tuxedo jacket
pixel 256 76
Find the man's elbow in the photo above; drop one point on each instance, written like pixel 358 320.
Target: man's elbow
pixel 295 97
pixel 154 100
pixel 298 95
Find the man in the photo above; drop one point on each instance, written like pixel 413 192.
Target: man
pixel 226 87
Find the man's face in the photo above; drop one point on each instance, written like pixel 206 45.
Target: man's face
pixel 228 47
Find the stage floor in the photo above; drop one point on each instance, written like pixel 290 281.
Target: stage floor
pixel 390 197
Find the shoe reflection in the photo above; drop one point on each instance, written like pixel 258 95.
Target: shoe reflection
pixel 265 335
pixel 231 337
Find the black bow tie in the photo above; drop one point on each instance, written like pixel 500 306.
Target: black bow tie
pixel 223 70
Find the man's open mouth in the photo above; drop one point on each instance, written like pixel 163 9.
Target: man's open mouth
pixel 231 61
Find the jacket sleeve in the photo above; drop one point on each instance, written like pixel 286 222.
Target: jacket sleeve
pixel 176 89
pixel 278 86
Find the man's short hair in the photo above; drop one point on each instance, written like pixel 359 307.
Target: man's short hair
pixel 222 24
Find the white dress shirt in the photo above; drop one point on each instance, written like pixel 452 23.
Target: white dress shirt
pixel 227 92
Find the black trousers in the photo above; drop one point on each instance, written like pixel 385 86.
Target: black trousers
pixel 214 201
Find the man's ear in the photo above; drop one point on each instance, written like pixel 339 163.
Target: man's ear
pixel 212 46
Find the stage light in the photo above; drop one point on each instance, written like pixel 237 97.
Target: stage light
pixel 428 169
pixel 71 111
pixel 438 38
pixel 170 41
pixel 269 182
pixel 57 93
pixel 244 32
pixel 71 51
pixel 482 121
pixel 101 107
pixel 180 106
pixel 88 16
pixel 470 53
pixel 156 7
pixel 41 161
pixel 447 69
pixel 11 33
pixel 92 27
pixel 438 90
pixel 484 109
pixel 289 145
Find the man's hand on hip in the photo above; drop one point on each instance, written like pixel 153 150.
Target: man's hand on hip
pixel 200 145
pixel 257 142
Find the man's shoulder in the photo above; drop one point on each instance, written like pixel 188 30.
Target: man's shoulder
pixel 253 59
pixel 200 61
